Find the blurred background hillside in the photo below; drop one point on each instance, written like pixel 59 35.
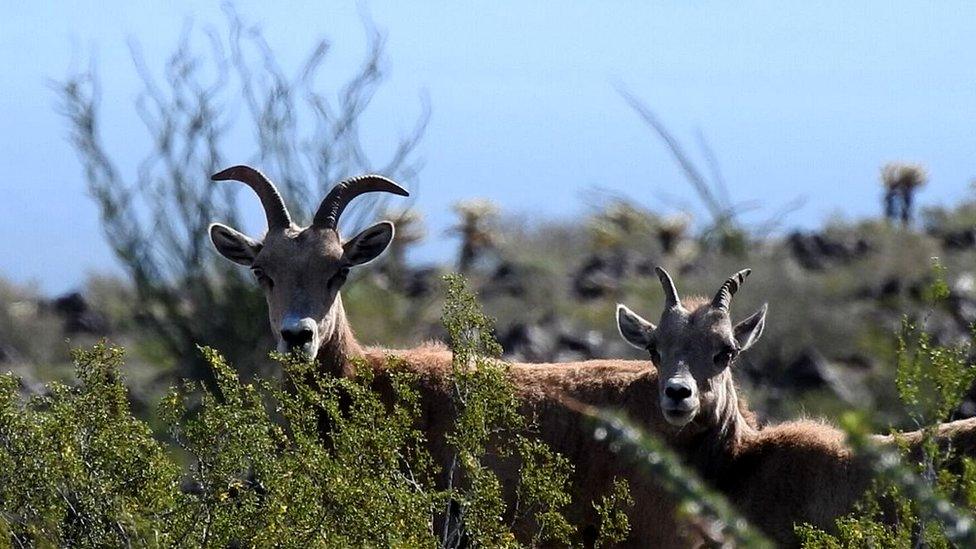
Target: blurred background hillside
pixel 557 154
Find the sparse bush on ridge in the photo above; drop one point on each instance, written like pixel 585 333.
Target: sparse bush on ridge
pixel 901 181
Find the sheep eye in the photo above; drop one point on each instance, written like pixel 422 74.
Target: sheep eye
pixel 262 277
pixel 725 356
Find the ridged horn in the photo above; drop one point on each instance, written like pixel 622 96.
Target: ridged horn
pixel 670 291
pixel 274 206
pixel 723 298
pixel 327 216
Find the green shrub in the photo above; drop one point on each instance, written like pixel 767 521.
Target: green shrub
pixel 912 505
pixel 251 465
pixel 76 468
pixel 260 473
pixel 489 419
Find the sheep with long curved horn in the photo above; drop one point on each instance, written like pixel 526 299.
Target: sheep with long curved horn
pixel 274 206
pixel 332 206
pixel 290 257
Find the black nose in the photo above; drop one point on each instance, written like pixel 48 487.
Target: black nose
pixel 677 393
pixel 296 337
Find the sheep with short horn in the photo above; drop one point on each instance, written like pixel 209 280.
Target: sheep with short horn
pixel 778 475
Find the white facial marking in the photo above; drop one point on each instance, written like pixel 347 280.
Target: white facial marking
pixel 298 334
pixel 679 396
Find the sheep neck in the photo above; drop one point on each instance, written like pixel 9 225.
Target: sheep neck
pixel 340 349
pixel 721 433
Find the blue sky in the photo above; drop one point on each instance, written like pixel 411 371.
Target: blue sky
pixel 807 99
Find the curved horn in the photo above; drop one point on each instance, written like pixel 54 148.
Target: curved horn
pixel 274 207
pixel 670 292
pixel 327 216
pixel 731 285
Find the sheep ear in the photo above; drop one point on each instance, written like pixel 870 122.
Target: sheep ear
pixel 749 330
pixel 634 329
pixel 367 245
pixel 235 246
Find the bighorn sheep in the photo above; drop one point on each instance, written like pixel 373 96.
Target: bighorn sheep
pixel 302 270
pixel 777 475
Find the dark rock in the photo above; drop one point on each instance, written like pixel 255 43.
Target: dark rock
pixel 812 371
pixel 598 277
pixel 966 410
pixel 508 279
pixel 805 251
pixel 803 246
pixel 586 345
pixel 815 251
pixel 808 371
pixel 78 315
pixel 646 267
pixel 917 289
pixel 547 341
pixel 191 486
pixel 592 281
pixel 421 282
pixel 527 342
pixel 828 248
pixel 858 361
pixel 890 288
pixel 964 239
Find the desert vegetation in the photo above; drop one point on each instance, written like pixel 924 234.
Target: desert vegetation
pixel 145 409
pixel 246 463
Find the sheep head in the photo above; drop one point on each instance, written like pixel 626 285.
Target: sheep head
pixel 694 346
pixel 302 269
